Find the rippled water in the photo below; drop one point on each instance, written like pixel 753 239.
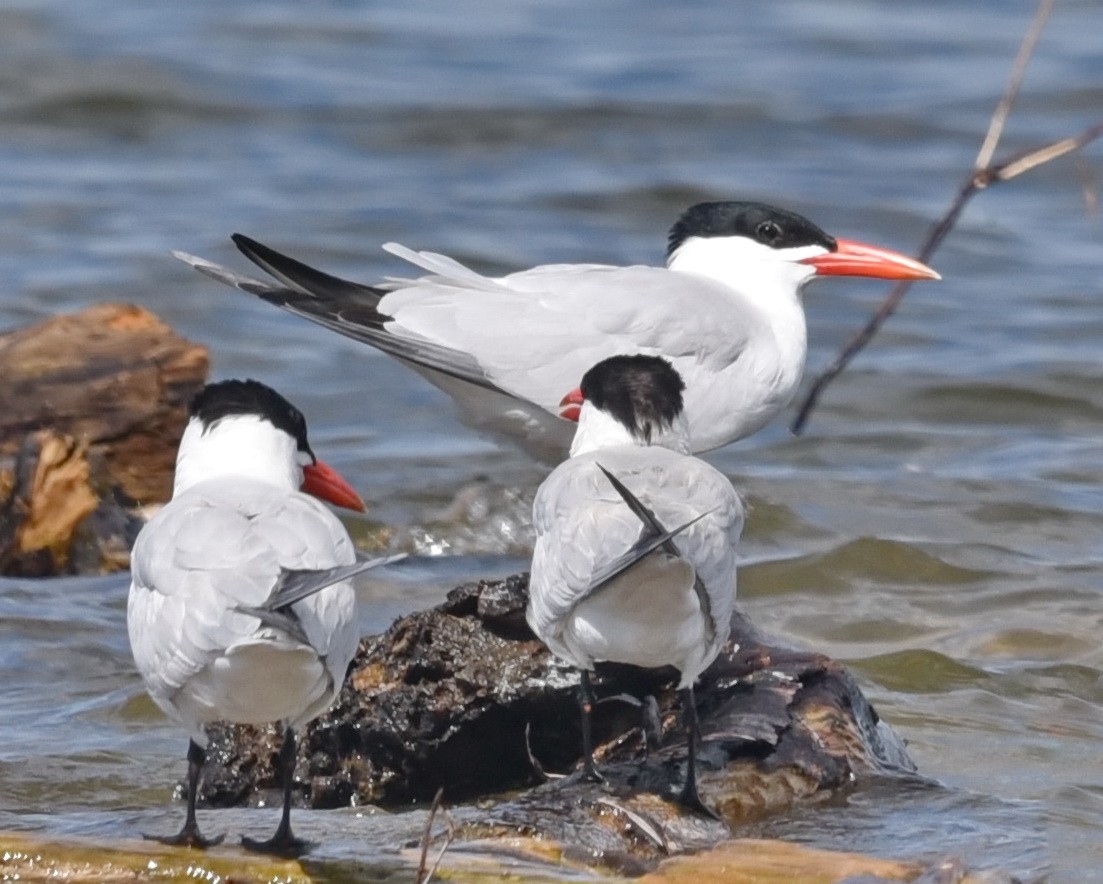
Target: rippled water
pixel 937 527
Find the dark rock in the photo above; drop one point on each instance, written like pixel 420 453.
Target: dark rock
pixel 462 697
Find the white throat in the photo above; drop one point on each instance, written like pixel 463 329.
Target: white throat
pixel 598 429
pixel 765 286
pixel 767 278
pixel 244 446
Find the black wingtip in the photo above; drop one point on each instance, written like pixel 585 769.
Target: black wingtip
pixel 650 522
pixel 652 527
pixel 247 243
pixel 303 277
pixel 254 250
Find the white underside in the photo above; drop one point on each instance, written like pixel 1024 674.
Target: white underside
pixel 649 617
pixel 255 683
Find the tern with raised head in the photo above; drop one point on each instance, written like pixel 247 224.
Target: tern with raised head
pixel 636 542
pixel 241 607
pixel 726 312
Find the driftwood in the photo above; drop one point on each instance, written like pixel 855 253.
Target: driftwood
pixel 463 697
pixel 91 409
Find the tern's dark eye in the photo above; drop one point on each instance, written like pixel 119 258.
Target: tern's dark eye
pixel 768 232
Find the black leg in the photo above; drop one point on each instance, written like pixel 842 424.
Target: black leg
pixel 586 702
pixel 689 798
pixel 189 835
pixel 283 843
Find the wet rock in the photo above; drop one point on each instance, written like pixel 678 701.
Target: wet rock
pixel 463 697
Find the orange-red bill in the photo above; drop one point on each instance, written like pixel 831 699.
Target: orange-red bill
pixel 858 259
pixel 325 483
pixel 570 406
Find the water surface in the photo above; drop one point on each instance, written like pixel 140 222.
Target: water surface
pixel 938 525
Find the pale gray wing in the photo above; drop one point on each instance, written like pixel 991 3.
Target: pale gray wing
pixel 221 547
pixel 540 329
pixel 581 525
pixel 652 536
pixel 308 537
pixel 344 307
pixel 531 334
pixel 508 349
pixel 483 405
pixel 191 564
pixel 581 522
pixel 711 545
pixel 441 266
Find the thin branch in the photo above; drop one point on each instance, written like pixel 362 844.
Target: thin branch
pixel 983 175
pixel 1014 81
pixel 976 182
pixel 642 825
pixel 1015 166
pixel 1089 187
pixel 537 767
pixel 449 837
pixel 425 873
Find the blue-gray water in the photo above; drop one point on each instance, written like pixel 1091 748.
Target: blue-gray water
pixel 938 526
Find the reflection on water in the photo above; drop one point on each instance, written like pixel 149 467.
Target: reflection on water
pixel 938 525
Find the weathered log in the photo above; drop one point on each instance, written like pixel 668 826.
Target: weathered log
pixel 91 410
pixel 113 376
pixel 463 697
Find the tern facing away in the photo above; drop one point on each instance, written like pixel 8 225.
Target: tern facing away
pixel 726 311
pixel 241 606
pixel 635 555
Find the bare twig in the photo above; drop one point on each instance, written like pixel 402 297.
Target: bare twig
pixel 449 837
pixel 1089 186
pixel 534 761
pixel 425 873
pixel 642 825
pixel 983 175
pixel 1024 162
pixel 1014 82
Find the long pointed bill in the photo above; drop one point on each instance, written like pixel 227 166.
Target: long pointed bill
pixel 325 483
pixel 858 259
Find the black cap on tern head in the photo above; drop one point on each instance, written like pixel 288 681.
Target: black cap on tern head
pixel 642 392
pixel 770 226
pixel 229 398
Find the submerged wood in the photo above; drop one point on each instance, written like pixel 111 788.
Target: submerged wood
pixel 27 857
pixel 24 857
pixel 463 697
pixel 91 410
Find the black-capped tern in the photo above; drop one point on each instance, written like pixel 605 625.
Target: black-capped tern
pixel 726 312
pixel 636 541
pixel 241 606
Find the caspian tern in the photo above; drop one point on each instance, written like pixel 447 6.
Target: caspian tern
pixel 610 581
pixel 241 606
pixel 726 311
